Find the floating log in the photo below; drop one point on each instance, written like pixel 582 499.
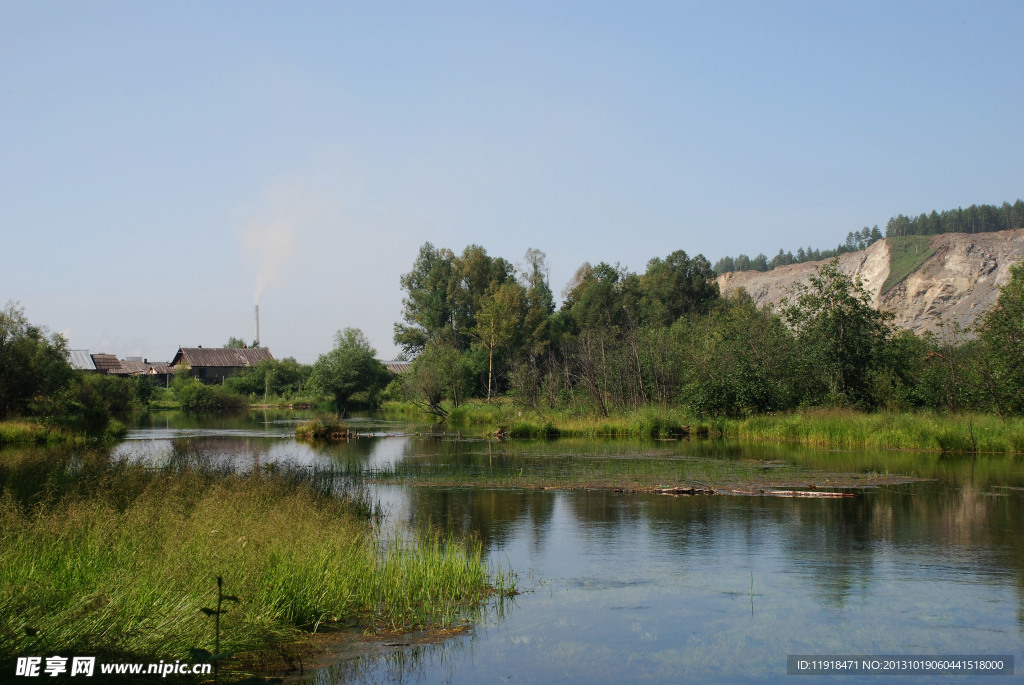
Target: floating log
pixel 685 491
pixel 816 494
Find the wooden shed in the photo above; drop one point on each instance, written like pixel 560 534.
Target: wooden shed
pixel 214 364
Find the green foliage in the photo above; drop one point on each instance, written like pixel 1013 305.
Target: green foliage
pixel 198 398
pixel 439 373
pixel 597 297
pixel 841 337
pixel 974 219
pixel 348 369
pixel 906 255
pixel 443 294
pixel 94 549
pixel 281 377
pixel 33 363
pixel 499 322
pixel 1001 334
pixel 675 287
pixel 741 360
pixel 845 428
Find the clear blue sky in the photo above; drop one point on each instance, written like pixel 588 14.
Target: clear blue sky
pixel 161 162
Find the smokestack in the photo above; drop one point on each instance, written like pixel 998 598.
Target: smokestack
pixel 257 338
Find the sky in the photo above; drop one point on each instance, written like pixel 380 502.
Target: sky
pixel 165 165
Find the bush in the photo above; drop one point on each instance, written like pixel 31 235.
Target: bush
pixel 196 398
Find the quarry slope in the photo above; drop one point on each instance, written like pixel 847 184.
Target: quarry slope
pixel 959 282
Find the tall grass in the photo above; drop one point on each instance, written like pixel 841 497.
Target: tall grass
pixel 122 560
pixel 29 432
pixel 322 428
pixel 508 419
pixel 846 428
pixel 968 433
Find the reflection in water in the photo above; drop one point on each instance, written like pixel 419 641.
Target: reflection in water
pixel 643 587
pixel 626 588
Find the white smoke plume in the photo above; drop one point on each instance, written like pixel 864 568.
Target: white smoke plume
pixel 272 244
pixel 269 237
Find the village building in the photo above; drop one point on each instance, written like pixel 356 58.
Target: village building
pixel 160 372
pixel 109 364
pixel 396 367
pixel 214 364
pixel 106 363
pixel 81 360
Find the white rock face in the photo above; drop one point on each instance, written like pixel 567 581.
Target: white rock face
pixel 958 283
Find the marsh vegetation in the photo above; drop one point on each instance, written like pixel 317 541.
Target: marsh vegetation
pixel 105 556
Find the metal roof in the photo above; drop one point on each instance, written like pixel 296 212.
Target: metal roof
pixel 80 359
pixel 397 367
pixel 232 357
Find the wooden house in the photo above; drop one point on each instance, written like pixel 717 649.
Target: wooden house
pixel 214 364
pixel 160 372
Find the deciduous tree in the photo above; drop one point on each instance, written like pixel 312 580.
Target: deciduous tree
pixel 348 368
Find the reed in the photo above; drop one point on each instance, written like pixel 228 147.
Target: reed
pixel 953 433
pixel 844 428
pixel 322 428
pixel 28 432
pixel 122 559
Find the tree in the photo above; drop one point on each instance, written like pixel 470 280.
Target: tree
pixel 1001 333
pixel 443 295
pixel 839 333
pixel 739 359
pixel 499 321
pixel 540 304
pixel 347 369
pixel 426 308
pixel 676 286
pixel 439 371
pixel 33 363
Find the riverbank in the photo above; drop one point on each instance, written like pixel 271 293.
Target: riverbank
pixel 838 428
pixel 32 432
pixel 119 560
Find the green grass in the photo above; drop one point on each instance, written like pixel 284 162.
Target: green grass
pixel 906 255
pixel 322 428
pixel 31 432
pixel 931 431
pixel 968 433
pixel 119 559
pixel 505 418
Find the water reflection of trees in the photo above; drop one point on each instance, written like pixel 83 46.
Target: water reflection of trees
pixel 835 544
pixel 491 516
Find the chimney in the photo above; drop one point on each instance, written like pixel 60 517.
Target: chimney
pixel 257 336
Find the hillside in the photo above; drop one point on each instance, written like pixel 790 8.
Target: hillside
pixel 958 281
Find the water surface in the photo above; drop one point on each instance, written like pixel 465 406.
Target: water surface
pixel 624 587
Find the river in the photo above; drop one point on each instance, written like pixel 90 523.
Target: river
pixel 620 587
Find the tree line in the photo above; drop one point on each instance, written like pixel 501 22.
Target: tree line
pixel 477 326
pixel 974 219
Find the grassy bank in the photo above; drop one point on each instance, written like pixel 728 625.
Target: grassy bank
pixel 971 433
pixel 843 428
pixel 120 560
pixel 31 432
pixel 513 421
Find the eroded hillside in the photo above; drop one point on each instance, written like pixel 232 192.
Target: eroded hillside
pixel 958 282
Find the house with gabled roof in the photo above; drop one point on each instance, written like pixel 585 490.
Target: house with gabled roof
pixel 214 364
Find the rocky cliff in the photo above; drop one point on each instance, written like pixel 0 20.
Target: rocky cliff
pixel 959 282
